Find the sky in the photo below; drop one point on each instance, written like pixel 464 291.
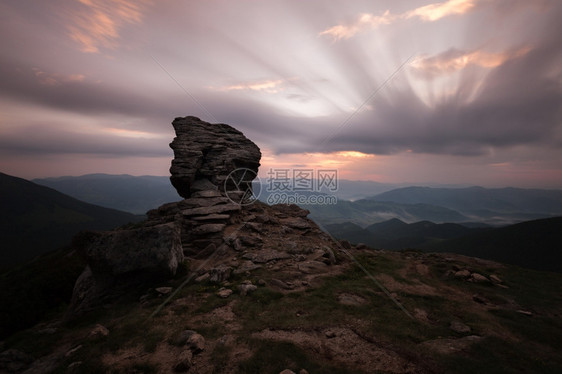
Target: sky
pixel 454 91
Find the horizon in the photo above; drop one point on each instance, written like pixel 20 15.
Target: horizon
pixel 447 92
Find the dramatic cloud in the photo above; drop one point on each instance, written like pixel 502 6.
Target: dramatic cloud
pixel 427 13
pixel 413 89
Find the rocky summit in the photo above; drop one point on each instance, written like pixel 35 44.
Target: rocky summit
pixel 206 154
pixel 211 284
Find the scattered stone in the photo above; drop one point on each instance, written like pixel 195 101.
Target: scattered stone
pixel 312 267
pixel 297 223
pixel 495 279
pixel 184 361
pixel 220 273
pixel 48 331
pixel 98 330
pixel 448 346
pixel 261 282
pixel 420 315
pixel 246 267
pixel 287 371
pixel 224 292
pixel 361 246
pixel 196 343
pixel 209 228
pixel 479 299
pixel 246 289
pixel 265 256
pixel 73 350
pixel 304 283
pixel 250 241
pixel 163 290
pixel 525 313
pixel 462 274
pixel 351 299
pixel 303 371
pixel 478 278
pixel 203 278
pixel 182 337
pixel 330 334
pixel 74 365
pixel 280 284
pixel 330 255
pixel 458 326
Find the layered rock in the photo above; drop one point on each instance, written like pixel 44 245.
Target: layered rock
pixel 205 154
pixel 209 223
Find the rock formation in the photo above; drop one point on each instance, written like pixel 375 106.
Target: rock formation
pixel 212 220
pixel 205 154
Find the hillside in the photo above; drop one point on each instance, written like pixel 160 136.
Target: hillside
pixel 395 234
pixel 535 244
pixel 499 205
pixel 128 193
pixel 36 219
pixel 366 212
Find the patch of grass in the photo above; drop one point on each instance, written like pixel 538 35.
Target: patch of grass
pixel 274 357
pixel 495 355
pixel 220 358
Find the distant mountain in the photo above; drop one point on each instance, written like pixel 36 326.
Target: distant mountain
pixel 123 192
pixel 36 219
pixel 499 205
pixel 395 234
pixel 366 212
pixel 534 244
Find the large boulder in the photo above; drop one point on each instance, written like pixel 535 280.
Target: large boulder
pixel 205 154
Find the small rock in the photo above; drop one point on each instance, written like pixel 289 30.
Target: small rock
pixel 478 278
pixel 495 279
pixel 203 278
pixel 525 313
pixel 304 283
pixel 330 334
pixel 479 299
pixel 287 371
pixel 73 350
pixel 220 273
pixel 458 326
pixel 163 290
pixel 196 343
pixel 462 274
pixel 303 371
pixel 182 337
pixel 361 246
pixel 224 292
pixel 330 255
pixel 280 284
pixel 98 330
pixel 184 361
pixel 74 365
pixel 420 315
pixel 261 282
pixel 246 289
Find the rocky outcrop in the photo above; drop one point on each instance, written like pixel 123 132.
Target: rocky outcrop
pixel 209 222
pixel 205 154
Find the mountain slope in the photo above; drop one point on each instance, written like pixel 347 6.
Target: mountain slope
pixel 36 219
pixel 366 212
pixel 122 192
pixel 511 204
pixel 535 244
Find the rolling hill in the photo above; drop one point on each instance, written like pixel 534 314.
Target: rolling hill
pixel 124 192
pixel 496 206
pixel 36 219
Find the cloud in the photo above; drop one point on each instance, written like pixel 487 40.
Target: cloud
pixel 269 86
pixel 96 24
pixel 454 60
pixel 427 13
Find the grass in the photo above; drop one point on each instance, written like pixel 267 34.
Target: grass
pixel 274 357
